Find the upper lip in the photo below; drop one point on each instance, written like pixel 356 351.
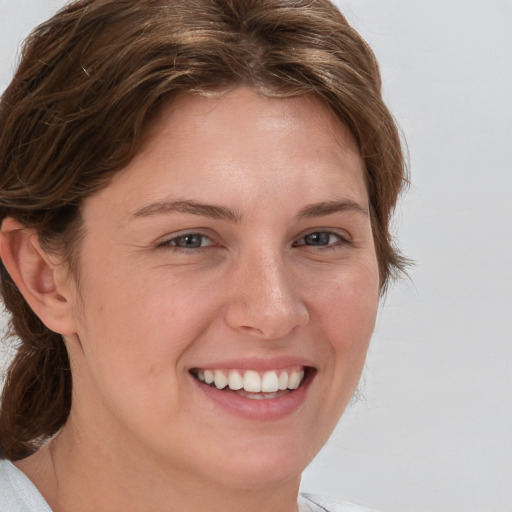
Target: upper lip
pixel 260 364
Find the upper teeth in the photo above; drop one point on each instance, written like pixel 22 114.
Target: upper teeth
pixel 253 381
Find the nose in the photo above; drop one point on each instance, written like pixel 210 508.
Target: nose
pixel 264 299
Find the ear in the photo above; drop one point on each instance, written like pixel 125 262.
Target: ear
pixel 42 279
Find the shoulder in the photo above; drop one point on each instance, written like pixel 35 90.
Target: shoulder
pixel 17 492
pixel 317 503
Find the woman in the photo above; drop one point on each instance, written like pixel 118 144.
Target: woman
pixel 195 201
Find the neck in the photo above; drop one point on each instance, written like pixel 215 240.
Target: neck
pixel 75 474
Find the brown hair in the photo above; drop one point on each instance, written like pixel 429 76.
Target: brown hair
pixel 75 114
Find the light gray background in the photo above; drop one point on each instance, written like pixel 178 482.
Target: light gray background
pixel 433 431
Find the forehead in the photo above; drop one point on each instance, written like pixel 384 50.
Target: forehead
pixel 187 114
pixel 239 146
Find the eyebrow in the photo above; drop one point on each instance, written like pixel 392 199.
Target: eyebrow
pixel 192 207
pixel 330 207
pixel 222 213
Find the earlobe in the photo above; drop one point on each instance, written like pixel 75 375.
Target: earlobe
pixel 38 276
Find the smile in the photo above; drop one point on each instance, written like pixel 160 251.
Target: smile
pixel 251 383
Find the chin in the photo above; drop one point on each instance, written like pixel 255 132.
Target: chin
pixel 266 463
pixel 261 474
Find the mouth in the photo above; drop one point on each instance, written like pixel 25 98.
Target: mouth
pixel 254 384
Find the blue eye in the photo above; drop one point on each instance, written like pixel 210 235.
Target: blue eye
pixel 188 241
pixel 320 239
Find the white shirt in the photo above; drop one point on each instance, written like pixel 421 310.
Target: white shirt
pixel 19 494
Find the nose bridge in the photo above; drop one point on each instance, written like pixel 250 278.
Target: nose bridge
pixel 271 274
pixel 264 299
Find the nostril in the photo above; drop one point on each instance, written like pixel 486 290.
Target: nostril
pixel 249 329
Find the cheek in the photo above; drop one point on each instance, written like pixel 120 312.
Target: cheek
pixel 352 294
pixel 137 327
pixel 346 310
pixel 343 316
pixel 130 353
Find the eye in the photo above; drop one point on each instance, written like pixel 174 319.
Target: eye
pixel 188 241
pixel 321 239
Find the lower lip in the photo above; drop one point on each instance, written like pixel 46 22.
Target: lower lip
pixel 267 409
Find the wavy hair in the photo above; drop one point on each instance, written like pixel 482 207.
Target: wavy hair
pixel 75 113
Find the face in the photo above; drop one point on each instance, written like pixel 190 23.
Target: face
pixel 237 247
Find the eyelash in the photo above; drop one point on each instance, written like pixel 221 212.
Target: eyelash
pixel 341 240
pixel 173 243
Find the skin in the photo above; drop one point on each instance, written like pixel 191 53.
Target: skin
pixel 140 433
